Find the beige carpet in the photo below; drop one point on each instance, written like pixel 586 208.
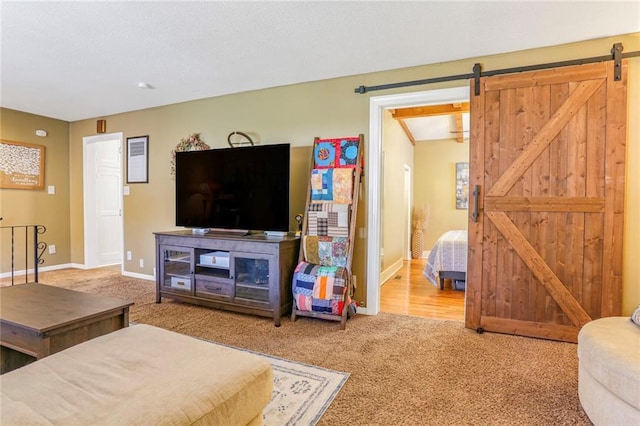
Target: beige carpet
pixel 404 370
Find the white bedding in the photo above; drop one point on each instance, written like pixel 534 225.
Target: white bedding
pixel 448 254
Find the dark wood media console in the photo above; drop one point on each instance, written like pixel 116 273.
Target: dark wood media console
pixel 249 274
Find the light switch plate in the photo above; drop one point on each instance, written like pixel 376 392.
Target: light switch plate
pixel 51 189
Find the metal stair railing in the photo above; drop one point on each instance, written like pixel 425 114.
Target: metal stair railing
pixel 37 248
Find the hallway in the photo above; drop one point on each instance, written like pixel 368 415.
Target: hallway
pixel 409 293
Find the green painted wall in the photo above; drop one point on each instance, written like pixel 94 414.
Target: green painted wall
pixel 435 183
pixel 37 207
pixel 397 153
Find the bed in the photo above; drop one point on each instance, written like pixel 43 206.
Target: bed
pixel 448 259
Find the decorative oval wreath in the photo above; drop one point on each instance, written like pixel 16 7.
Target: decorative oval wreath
pixel 247 141
pixel 192 143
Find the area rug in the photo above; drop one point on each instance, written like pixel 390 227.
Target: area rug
pixel 301 392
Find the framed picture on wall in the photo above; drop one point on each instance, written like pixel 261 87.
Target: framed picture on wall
pixel 462 185
pixel 21 165
pixel 138 159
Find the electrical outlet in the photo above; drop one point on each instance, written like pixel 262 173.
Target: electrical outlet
pixel 142 263
pixel 129 257
pixel 52 249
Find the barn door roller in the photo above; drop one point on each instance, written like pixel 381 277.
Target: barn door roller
pixel 616 52
pixel 477 68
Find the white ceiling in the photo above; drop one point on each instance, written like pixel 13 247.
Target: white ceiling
pixel 80 59
pixel 437 127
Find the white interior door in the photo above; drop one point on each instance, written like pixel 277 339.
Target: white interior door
pixel 103 200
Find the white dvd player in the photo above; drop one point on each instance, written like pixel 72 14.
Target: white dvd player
pixel 218 259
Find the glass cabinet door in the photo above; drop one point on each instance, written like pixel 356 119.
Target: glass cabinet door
pixel 252 277
pixel 176 268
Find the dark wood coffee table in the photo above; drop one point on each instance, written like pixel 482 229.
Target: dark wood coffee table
pixel 37 320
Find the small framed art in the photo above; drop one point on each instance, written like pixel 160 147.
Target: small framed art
pixel 462 185
pixel 21 165
pixel 138 159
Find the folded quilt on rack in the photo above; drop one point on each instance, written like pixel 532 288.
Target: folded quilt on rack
pixel 320 288
pixel 332 185
pixel 337 152
pixel 328 219
pixel 326 251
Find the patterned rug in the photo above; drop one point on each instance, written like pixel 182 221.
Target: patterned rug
pixel 301 392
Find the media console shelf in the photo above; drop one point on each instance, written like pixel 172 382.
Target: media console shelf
pixel 249 274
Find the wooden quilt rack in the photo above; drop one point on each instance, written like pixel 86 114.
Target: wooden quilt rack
pixel 335 153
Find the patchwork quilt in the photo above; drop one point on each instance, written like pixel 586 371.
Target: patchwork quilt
pixel 332 185
pixel 327 219
pixel 331 153
pixel 320 288
pixel 325 251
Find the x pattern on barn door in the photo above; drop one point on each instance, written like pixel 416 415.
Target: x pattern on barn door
pixel 547 155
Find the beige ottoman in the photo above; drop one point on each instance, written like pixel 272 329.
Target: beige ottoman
pixel 609 371
pixel 139 375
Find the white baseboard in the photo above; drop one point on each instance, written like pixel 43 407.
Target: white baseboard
pixel 22 273
pixel 362 311
pixel 140 276
pixel 390 271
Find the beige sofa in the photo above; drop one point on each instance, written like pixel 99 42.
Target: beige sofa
pixel 609 371
pixel 139 375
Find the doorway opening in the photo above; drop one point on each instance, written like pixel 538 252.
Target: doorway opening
pixel 407 190
pixel 102 195
pixel 378 105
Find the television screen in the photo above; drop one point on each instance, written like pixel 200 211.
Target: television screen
pixel 244 188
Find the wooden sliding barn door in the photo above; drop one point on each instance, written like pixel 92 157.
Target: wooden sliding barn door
pixel 547 154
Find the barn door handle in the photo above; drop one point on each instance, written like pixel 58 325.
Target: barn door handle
pixel 476 195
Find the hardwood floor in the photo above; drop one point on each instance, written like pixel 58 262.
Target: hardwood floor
pixel 409 293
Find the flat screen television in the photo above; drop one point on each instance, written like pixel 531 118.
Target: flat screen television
pixel 234 189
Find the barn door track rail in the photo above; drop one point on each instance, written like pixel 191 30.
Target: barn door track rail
pixel 616 55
